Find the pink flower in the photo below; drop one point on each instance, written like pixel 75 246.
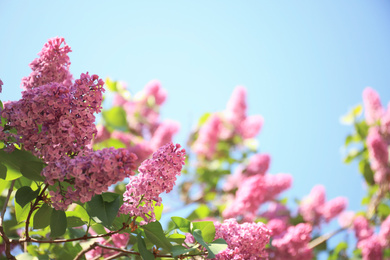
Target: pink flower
pixel 92 172
pixel 153 89
pixel 207 140
pixel 379 154
pixel 164 133
pixel 51 67
pixel 258 164
pixel 310 207
pixel 371 248
pixel 1 85
pixel 373 106
pixel 362 228
pixel 333 208
pixel 157 175
pixel 236 107
pixel 293 244
pixel 245 241
pixel 346 219
pixel 251 126
pixel 384 233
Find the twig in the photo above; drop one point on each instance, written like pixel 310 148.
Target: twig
pixel 2 232
pixel 85 250
pixel 323 238
pixel 33 207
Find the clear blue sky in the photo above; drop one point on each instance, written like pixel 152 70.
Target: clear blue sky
pixel 304 63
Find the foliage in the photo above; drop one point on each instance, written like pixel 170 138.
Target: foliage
pixel 73 190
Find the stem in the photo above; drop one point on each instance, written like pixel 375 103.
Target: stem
pixel 33 207
pixel 323 238
pixel 2 232
pixel 85 250
pixel 73 239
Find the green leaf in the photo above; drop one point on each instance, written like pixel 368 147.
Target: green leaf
pixel 3 171
pixel 146 254
pixel 13 161
pixel 42 217
pixel 74 222
pixel 202 211
pixel 109 196
pixel 79 212
pixel 155 234
pixel 199 238
pixel 181 250
pixel 158 210
pixel 21 213
pixel 383 210
pixel 58 223
pixel 102 211
pixel 203 118
pixel 368 174
pixel 207 228
pixel 24 195
pixel 183 224
pixel 116 118
pixel 25 256
pixel 32 170
pixel 111 85
pixel 177 238
pixel 218 245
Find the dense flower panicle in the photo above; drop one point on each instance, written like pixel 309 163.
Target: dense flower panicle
pixel 373 105
pixel 385 124
pixel 333 208
pixel 236 107
pixel 379 154
pixel 384 233
pixel 258 164
pixel 54 120
pixel 371 248
pixel 1 85
pixel 92 172
pixel 277 226
pixel 52 66
pixel 362 228
pixel 293 244
pixel 276 210
pixel 157 175
pixel 310 207
pixel 254 191
pixel 101 134
pixel 251 126
pixel 154 89
pixel 245 241
pixel 207 140
pixel 164 134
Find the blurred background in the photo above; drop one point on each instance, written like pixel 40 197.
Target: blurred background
pixel 304 64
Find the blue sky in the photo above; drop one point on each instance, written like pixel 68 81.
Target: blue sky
pixel 304 64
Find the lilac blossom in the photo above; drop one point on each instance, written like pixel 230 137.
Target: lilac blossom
pixel 157 175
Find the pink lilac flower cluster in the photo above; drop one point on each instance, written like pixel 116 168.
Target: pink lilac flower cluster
pixel 51 66
pixel 157 175
pixel 223 126
pixel 90 173
pixel 314 208
pixel 292 243
pixel 117 240
pixel 206 143
pixel 369 243
pixel 55 118
pixel 253 192
pixel 1 85
pixel 146 133
pixel 258 164
pixel 378 138
pixel 245 241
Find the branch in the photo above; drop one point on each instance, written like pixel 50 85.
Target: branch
pixel 323 238
pixel 85 250
pixel 33 207
pixel 73 239
pixel 2 232
pixel 376 200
